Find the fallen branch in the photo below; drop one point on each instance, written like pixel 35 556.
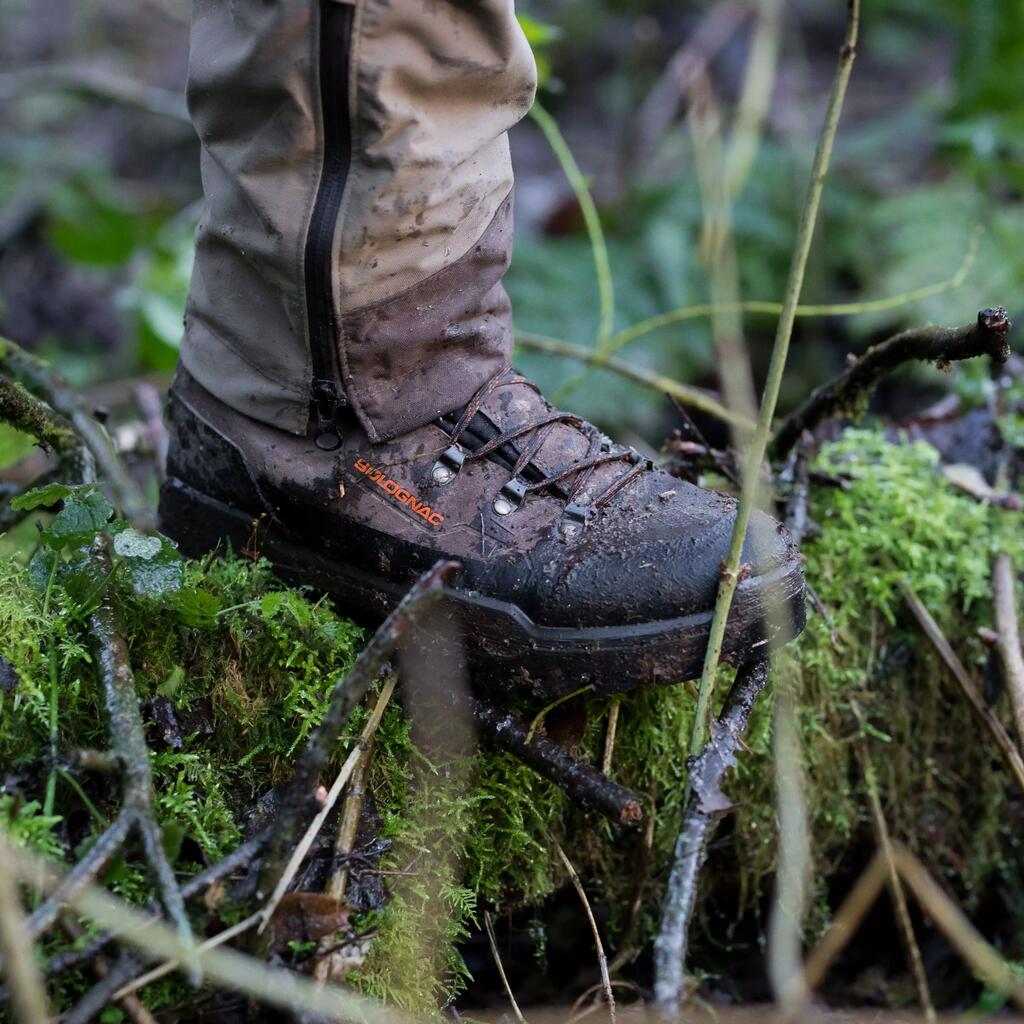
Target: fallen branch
pixel 706 805
pixel 849 391
pixel 1008 643
pixel 581 781
pixel 996 728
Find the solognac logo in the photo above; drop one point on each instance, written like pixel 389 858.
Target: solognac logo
pixel 399 493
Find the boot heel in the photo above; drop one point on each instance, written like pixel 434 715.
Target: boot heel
pixel 199 524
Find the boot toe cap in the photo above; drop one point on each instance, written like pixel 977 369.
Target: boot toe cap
pixel 662 569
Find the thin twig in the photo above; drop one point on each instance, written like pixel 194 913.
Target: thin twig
pixel 705 806
pixel 996 728
pixel 228 968
pixel 895 884
pixel 126 966
pixel 602 960
pixel 19 961
pixel 685 394
pixel 859 900
pixel 703 310
pixel 751 477
pixel 489 926
pixel 168 966
pixel 985 960
pixel 848 392
pixel 85 871
pixel 580 780
pixel 130 1005
pixel 755 97
pixel 1008 629
pixel 313 830
pixel 609 737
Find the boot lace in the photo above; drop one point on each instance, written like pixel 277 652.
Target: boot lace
pixel 571 478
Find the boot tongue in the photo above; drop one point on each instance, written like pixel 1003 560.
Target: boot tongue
pixel 513 405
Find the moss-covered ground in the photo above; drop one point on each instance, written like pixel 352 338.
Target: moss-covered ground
pixel 246 665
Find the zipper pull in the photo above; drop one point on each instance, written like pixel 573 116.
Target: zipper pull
pixel 327 403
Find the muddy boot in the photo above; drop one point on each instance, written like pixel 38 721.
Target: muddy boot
pixel 345 405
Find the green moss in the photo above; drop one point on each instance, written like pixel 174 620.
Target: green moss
pixel 250 664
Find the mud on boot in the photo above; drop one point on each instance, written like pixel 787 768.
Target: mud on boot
pixel 581 563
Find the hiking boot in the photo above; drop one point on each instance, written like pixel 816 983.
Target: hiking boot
pixel 581 563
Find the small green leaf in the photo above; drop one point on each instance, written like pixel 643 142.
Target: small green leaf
pixel 198 607
pixel 82 517
pixel 42 496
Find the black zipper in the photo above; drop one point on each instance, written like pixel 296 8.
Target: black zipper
pixel 328 393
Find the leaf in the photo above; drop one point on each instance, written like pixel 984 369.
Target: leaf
pixel 154 566
pixel 308 916
pixel 133 544
pixel 157 577
pixel 197 607
pixel 42 497
pixel 82 517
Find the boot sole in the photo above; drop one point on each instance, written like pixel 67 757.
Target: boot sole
pixel 504 648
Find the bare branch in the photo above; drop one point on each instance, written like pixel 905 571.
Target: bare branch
pixel 849 391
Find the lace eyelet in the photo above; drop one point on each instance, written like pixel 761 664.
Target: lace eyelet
pixel 448 465
pixel 574 519
pixel 510 497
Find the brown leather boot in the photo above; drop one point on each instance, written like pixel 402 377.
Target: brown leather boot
pixel 581 563
pixel 345 405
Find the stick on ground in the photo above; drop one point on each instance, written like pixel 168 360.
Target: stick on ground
pixel 1008 642
pixel 706 805
pixel 849 391
pixel 580 780
pixel 996 728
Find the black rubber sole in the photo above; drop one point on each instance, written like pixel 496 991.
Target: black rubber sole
pixel 504 648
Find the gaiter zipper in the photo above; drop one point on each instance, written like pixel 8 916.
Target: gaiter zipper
pixel 328 393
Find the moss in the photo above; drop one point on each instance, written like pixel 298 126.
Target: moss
pixel 248 665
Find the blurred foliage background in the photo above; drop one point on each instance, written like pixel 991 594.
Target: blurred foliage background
pixel 100 190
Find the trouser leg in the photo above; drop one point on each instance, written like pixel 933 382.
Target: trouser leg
pixel 357 221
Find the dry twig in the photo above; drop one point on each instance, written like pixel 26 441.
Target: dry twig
pixel 580 780
pixel 602 960
pixel 1008 630
pixel 346 695
pixel 340 781
pixel 19 965
pixel 895 885
pixel 489 925
pixel 996 728
pixel 849 391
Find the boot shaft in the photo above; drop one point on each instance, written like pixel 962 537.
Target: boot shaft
pixel 357 222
